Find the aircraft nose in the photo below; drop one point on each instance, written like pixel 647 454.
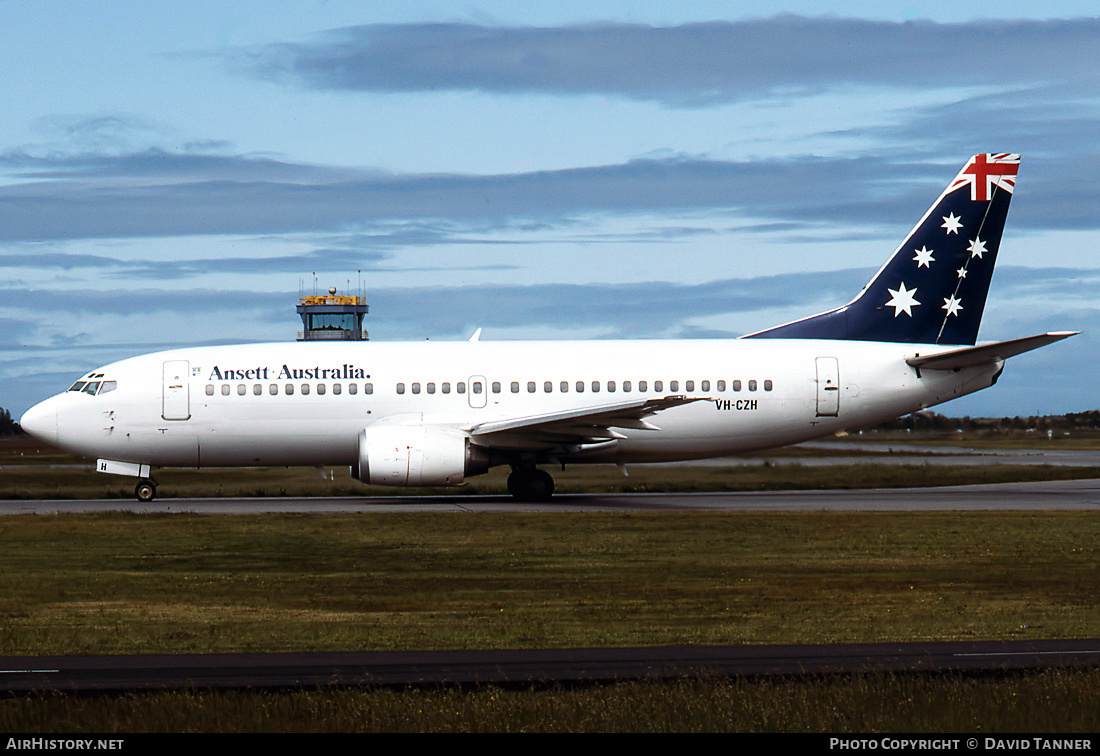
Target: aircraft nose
pixel 40 421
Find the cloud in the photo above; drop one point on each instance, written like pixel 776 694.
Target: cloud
pixel 1027 86
pixel 688 65
pixel 159 194
pixel 163 194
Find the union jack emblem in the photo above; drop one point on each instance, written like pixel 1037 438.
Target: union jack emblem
pixel 983 172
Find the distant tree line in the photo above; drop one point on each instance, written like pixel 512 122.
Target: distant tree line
pixel 8 427
pixel 932 421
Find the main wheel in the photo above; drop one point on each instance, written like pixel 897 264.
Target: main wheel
pixel 530 484
pixel 146 490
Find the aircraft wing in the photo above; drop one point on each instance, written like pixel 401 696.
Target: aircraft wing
pixel 984 354
pixel 589 425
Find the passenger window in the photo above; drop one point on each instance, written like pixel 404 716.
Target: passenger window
pixel 737 385
pixel 368 388
pixel 337 388
pixel 768 385
pixel 210 389
pixel 673 385
pixel 461 387
pixel 353 388
pixel 515 387
pixel 752 385
pixel 476 387
pixel 611 386
pixel 305 389
pixel 705 386
pixel 431 388
pixel 496 387
pixel 273 389
pixel 446 387
pixel 689 385
pixel 564 387
pixel 416 388
pixel 320 388
pixel 721 385
pixel 548 387
pixel 595 386
pixel 658 386
pixel 580 387
pixel 530 387
pixel 642 386
pixel 257 389
pixel 225 389
pixel 626 386
pixel 289 389
pixel 241 389
pixel 401 388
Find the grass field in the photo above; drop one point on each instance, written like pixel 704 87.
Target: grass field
pixel 1060 702
pixel 119 583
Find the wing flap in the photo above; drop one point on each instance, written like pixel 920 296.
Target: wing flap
pixel 582 425
pixel 986 353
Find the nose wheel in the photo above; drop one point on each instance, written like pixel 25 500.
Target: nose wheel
pixel 530 484
pixel 146 490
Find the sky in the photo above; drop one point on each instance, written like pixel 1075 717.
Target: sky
pixel 175 175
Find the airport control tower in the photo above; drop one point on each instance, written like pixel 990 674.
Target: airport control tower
pixel 328 317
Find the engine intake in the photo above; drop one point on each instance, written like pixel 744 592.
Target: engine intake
pixel 413 455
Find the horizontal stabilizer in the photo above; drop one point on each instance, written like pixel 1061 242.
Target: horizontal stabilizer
pixel 986 353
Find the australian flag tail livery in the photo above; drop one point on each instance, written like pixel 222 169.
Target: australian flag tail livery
pixel 933 289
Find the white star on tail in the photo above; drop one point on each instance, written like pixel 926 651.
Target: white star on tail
pixel 952 305
pixel 976 247
pixel 952 223
pixel 902 300
pixel 924 257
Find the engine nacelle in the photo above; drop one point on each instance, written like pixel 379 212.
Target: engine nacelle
pixel 415 455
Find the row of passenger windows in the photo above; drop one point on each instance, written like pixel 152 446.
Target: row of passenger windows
pixel 477 387
pixel 594 386
pixel 288 388
pixel 611 386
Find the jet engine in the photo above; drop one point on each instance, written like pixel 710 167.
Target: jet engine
pixel 416 455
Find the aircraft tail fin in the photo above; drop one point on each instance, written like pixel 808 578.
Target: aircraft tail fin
pixel 933 288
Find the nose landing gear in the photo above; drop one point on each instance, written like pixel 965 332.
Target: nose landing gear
pixel 146 490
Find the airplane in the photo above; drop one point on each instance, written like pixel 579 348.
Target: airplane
pixel 435 413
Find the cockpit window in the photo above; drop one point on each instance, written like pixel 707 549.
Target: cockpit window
pixel 94 387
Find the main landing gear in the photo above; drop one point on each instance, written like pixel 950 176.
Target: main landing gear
pixel 530 484
pixel 146 490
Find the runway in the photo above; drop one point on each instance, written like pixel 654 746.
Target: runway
pixel 111 674
pixel 1034 496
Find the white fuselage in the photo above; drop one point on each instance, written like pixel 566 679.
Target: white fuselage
pixel 306 403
